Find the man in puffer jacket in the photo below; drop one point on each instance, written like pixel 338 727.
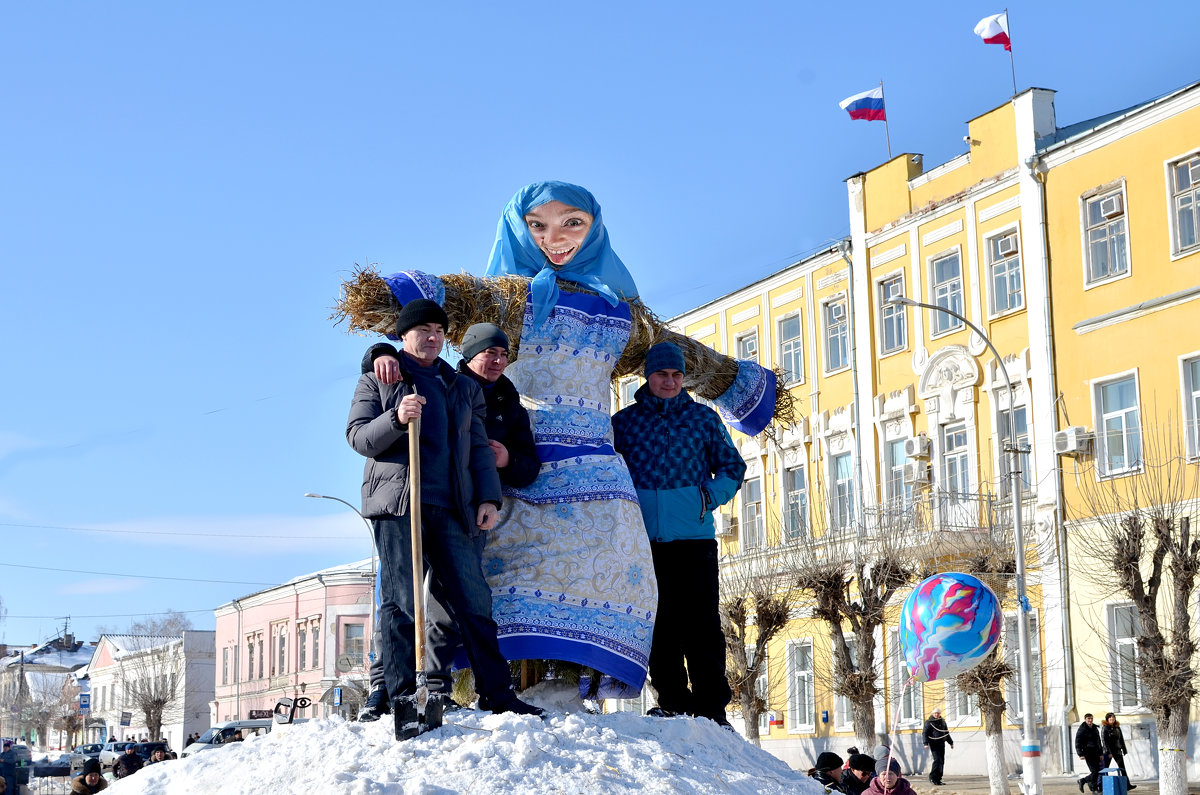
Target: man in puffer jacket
pixel 684 466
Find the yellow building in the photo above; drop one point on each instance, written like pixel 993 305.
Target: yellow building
pixel 1074 251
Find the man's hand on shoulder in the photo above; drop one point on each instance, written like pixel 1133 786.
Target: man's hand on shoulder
pixel 387 369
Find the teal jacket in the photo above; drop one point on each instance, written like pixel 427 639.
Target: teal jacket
pixel 682 461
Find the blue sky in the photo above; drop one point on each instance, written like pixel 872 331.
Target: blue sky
pixel 186 185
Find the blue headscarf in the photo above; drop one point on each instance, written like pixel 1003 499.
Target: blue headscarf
pixel 595 266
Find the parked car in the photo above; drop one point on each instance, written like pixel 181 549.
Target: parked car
pixel 109 753
pixel 81 754
pixel 52 766
pixel 223 733
pixel 145 750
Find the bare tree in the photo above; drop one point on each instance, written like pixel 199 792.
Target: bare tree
pixel 1145 522
pixel 166 625
pixel 150 674
pixel 758 589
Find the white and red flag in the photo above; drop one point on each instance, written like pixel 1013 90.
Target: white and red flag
pixel 994 30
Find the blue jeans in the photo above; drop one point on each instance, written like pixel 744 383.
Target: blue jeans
pixel 456 581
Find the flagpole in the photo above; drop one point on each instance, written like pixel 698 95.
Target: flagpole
pixel 1012 65
pixel 887 134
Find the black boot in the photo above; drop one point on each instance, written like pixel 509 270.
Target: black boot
pixel 508 702
pixel 375 706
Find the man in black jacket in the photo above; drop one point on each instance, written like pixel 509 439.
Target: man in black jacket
pixel 937 735
pixel 127 763
pixel 1087 745
pixel 485 350
pixel 460 496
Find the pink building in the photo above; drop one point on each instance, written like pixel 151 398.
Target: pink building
pixel 308 637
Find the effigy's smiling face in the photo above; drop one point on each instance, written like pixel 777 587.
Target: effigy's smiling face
pixel 559 230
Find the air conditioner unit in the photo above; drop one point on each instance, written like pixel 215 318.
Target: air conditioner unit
pixel 1073 441
pixel 916 472
pixel 1112 206
pixel 1006 246
pixel 724 524
pixel 917 447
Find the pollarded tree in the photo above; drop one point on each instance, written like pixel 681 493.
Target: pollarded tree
pixel 1145 540
pixel 150 672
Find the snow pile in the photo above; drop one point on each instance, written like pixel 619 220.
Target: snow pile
pixel 568 751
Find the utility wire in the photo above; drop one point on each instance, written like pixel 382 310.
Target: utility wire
pixel 135 576
pixel 180 534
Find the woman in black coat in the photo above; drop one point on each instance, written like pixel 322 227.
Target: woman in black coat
pixel 1114 743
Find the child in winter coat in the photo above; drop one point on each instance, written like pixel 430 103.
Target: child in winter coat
pixel 888 781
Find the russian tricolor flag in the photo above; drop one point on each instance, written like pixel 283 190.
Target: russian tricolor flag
pixel 994 30
pixel 867 105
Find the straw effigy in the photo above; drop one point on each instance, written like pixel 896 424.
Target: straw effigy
pixel 368 306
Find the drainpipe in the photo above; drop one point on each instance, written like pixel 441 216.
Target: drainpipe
pixel 1060 531
pixel 844 250
pixel 237 664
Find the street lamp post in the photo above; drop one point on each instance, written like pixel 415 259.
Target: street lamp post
pixel 1031 746
pixel 374 561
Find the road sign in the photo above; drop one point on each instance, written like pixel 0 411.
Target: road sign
pixel 85 703
pixel 260 714
pixel 126 718
pixel 337 696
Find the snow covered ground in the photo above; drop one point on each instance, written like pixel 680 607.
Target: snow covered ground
pixel 569 751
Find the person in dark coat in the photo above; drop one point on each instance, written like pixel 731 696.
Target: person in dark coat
pixel 8 766
pixel 485 350
pixel 828 771
pixel 684 466
pixel 460 497
pixel 937 735
pixel 90 781
pixel 859 771
pixel 127 763
pixel 1089 748
pixel 888 780
pixel 1113 740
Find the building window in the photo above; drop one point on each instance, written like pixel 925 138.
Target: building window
pixel 795 489
pixel 352 643
pixel 1107 248
pixel 843 491
pixel 947 292
pixel 837 336
pixel 1185 202
pixel 897 491
pixel 1004 266
pixel 791 348
pixel 1121 434
pixel 316 636
pixel 960 706
pixel 1012 683
pixel 762 689
pixel 261 657
pixel 1191 408
pixel 301 646
pixel 225 666
pixel 250 659
pixel 629 388
pixel 893 328
pixel 282 652
pixel 910 709
pixel 1022 441
pixel 801 691
pixel 956 459
pixel 1124 628
pixel 752 519
pixel 843 714
pixel 747 346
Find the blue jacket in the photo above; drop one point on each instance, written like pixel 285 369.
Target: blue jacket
pixel 683 463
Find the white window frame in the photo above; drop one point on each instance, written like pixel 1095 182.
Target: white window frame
pixel 961 456
pixel 750 524
pixel 936 317
pixel 629 387
pixel 1100 417
pixel 826 332
pixel 762 688
pixel 791 533
pixel 955 698
pixel 1172 220
pixel 1013 230
pixel 1116 646
pixel 1012 683
pixel 909 705
pixel 894 314
pixel 795 686
pixel 843 493
pixel 301 646
pixel 1022 440
pixel 897 493
pixel 744 341
pixel 796 352
pixel 843 714
pixel 1085 228
pixel 1190 393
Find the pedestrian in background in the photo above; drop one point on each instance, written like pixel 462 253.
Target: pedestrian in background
pixel 1090 750
pixel 937 736
pixel 860 769
pixel 684 466
pixel 828 771
pixel 8 766
pixel 127 763
pixel 1113 740
pixel 90 781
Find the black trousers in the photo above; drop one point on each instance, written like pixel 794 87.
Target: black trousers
pixel 688 643
pixel 1093 778
pixel 938 751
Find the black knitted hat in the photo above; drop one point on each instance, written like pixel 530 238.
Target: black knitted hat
pixel 422 310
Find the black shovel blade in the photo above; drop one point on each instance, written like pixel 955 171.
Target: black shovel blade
pixel 411 721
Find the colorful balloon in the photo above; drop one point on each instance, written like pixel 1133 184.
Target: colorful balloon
pixel 947 625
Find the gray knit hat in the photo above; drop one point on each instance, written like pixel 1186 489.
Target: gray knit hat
pixel 480 337
pixel 887 764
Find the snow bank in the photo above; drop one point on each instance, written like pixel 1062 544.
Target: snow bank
pixel 569 751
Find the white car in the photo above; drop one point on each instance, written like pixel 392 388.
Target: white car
pixel 110 752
